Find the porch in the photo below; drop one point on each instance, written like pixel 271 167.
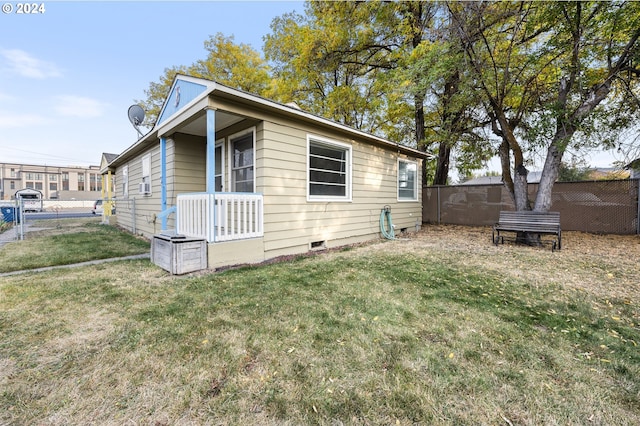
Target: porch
pixel 220 216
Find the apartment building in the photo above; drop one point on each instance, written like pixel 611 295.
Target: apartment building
pixel 55 182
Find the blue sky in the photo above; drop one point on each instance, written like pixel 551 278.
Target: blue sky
pixel 69 75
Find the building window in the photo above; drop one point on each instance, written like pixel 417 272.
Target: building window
pixel 407 180
pixel 39 186
pixel 95 183
pixel 65 181
pixel 53 186
pixel 145 186
pixel 53 178
pixel 329 170
pixel 14 174
pixel 80 182
pixel 12 185
pixel 242 165
pixel 125 181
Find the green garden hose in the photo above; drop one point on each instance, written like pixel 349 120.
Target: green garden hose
pixel 385 216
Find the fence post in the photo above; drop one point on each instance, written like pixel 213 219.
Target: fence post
pixel 22 218
pixel 438 205
pixel 638 213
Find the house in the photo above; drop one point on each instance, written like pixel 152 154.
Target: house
pixel 256 179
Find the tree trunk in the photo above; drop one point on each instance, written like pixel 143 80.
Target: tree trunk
pixel 549 175
pixel 419 128
pixel 442 168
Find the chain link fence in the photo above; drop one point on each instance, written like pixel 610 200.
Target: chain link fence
pixel 608 207
pixel 18 216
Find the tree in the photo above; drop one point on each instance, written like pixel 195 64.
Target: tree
pixel 551 75
pixel 332 61
pixel 573 172
pixel 371 65
pixel 235 65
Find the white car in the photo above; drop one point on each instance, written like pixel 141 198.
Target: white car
pixel 97 208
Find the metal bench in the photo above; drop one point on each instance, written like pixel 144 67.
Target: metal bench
pixel 531 222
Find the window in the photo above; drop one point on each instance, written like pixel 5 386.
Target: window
pixel 407 180
pixel 65 181
pixel 53 186
pixel 12 185
pixel 329 170
pixel 80 182
pixel 93 185
pixel 53 178
pixel 145 186
pixel 219 184
pixel 125 181
pixel 242 163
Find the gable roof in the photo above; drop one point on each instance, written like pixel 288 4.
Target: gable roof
pixel 189 95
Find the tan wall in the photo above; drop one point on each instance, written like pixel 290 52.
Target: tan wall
pixel 291 223
pixel 138 212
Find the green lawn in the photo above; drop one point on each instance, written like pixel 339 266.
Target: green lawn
pixel 66 241
pixel 353 337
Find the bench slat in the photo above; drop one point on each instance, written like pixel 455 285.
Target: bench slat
pixel 529 221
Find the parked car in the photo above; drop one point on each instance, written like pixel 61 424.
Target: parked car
pixel 98 208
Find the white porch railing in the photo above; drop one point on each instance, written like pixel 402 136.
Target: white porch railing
pixel 223 216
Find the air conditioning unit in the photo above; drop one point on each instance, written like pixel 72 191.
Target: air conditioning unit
pixel 144 188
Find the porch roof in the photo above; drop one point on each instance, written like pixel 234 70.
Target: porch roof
pixel 190 118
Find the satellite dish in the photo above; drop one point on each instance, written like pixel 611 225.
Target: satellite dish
pixel 136 117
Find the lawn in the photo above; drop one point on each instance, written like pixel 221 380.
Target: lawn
pixel 67 241
pixel 441 329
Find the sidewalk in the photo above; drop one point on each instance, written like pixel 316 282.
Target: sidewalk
pixel 8 236
pixel 12 234
pixel 77 265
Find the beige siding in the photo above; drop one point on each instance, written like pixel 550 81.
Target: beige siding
pixel 187 168
pixel 292 222
pixel 138 213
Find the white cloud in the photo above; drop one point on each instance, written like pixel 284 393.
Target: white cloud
pixel 12 120
pixel 6 97
pixel 78 106
pixel 22 63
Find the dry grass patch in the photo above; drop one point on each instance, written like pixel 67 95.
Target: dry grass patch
pixel 444 328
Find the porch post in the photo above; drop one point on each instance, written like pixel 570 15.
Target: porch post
pixel 211 151
pixel 163 180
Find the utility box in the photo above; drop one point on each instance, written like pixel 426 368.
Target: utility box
pixel 179 255
pixel 10 214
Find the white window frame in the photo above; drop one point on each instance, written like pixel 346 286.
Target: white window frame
pixel 146 177
pixel 230 139
pixel 125 181
pixel 220 143
pixel 329 143
pixel 415 181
